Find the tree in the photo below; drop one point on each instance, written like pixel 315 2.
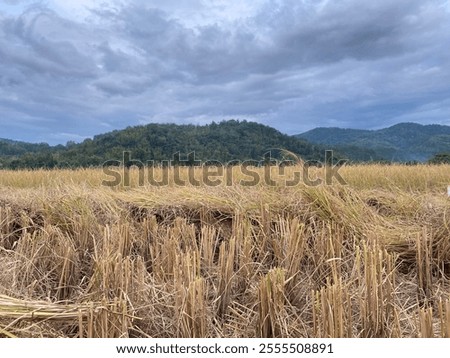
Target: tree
pixel 440 158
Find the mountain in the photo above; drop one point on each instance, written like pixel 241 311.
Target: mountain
pixel 231 140
pixel 401 142
pixel 224 141
pixel 11 148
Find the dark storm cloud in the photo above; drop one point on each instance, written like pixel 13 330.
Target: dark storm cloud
pixel 33 43
pixel 290 64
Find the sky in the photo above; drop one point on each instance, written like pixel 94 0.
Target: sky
pixel 71 69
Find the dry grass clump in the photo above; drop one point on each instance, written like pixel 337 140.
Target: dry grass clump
pixel 370 259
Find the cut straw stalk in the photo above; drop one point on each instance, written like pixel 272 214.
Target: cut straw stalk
pixel 103 319
pixel 444 315
pixel 426 322
pixel 272 314
pixel 31 310
pixel 226 265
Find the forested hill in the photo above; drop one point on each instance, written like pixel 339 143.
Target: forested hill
pixel 401 142
pixel 13 148
pixel 224 141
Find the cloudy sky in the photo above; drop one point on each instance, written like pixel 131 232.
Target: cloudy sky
pixel 70 69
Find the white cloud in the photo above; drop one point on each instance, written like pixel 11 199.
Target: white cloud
pixel 75 9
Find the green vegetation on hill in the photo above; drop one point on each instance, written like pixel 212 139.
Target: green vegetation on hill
pixel 14 148
pixel 440 158
pixel 401 142
pixel 224 141
pixel 233 140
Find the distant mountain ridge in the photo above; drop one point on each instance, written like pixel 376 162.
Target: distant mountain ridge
pixel 401 142
pixel 10 147
pixel 224 141
pixel 231 140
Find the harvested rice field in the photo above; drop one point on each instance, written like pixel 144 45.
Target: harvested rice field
pixel 369 258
